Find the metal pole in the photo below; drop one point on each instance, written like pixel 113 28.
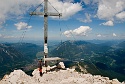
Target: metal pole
pixel 45 30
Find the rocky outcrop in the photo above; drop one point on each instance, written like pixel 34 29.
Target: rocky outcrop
pixel 68 76
pixel 61 65
pixel 17 77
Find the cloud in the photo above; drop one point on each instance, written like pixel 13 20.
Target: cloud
pixel 88 18
pixel 108 23
pixel 103 35
pixel 22 26
pixel 86 1
pixel 6 37
pixel 66 8
pixel 99 35
pixel 109 9
pixel 121 16
pixel 114 34
pixel 0 35
pixel 15 8
pixel 81 31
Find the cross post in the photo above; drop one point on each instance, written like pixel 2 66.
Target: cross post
pixel 46 14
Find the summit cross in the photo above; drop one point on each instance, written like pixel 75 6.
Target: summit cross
pixel 46 14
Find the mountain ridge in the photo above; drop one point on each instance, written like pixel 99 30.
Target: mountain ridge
pixel 111 58
pixel 68 76
pixel 100 55
pixel 16 55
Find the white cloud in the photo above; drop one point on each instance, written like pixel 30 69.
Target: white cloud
pixel 114 34
pixel 108 9
pixel 68 33
pixel 81 31
pixel 121 15
pixel 66 8
pixel 88 18
pixel 108 23
pixel 103 35
pixel 0 35
pixel 14 8
pixel 22 26
pixel 86 1
pixel 99 35
pixel 29 27
pixel 6 37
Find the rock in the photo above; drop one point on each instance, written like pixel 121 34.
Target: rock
pixel 71 70
pixel 35 73
pixel 123 82
pixel 68 76
pixel 53 67
pixel 106 78
pixel 115 81
pixel 17 77
pixel 61 65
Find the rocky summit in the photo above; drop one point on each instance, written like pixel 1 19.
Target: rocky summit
pixel 67 76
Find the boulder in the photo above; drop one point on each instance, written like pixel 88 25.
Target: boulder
pixel 115 81
pixel 61 65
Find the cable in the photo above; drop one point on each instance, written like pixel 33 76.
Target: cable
pixel 71 33
pixel 60 31
pixel 23 34
pixel 53 7
pixel 89 58
pixel 59 24
pixel 83 50
pixel 38 6
pixel 60 35
pixel 95 66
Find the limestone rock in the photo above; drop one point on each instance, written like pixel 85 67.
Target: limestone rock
pixel 61 65
pixel 17 77
pixel 115 81
pixel 68 76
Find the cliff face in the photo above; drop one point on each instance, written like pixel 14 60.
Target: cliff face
pixel 68 76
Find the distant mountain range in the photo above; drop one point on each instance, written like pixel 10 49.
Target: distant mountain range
pixel 104 56
pixel 16 55
pixel 122 44
pixel 79 49
pixel 107 57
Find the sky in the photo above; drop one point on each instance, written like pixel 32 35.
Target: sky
pixel 81 20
